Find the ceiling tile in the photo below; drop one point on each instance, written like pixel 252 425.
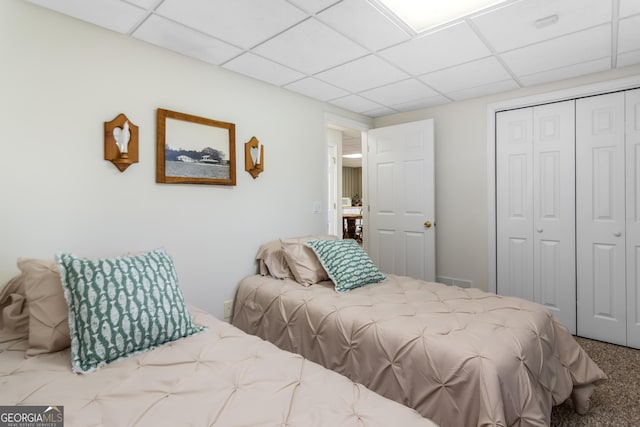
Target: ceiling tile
pixel 629 34
pixel 311 47
pixel 356 103
pixel 513 26
pixel 146 4
pixel 263 69
pixel 422 103
pixel 567 72
pixel 628 58
pixel 317 89
pixel 170 35
pixel 399 93
pixel 370 28
pixel 361 74
pixel 243 23
pixel 450 46
pixel 313 6
pixel 114 15
pixel 469 75
pixel 629 7
pixel 379 112
pixel 560 52
pixel 486 89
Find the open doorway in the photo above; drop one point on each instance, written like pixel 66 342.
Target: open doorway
pixel 351 200
pixel 346 178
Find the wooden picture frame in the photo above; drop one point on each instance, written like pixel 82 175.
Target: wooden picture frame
pixel 194 150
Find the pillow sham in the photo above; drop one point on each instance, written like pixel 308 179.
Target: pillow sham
pixel 122 306
pixel 346 263
pixel 48 311
pixel 272 262
pixel 14 311
pixel 302 261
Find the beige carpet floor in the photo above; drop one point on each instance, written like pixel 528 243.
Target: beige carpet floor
pixel 615 402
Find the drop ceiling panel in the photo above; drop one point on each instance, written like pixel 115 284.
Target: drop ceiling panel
pixel 472 74
pixel 513 26
pixel 561 52
pixel 312 6
pixel 146 4
pixel 317 89
pixel 486 89
pixel 629 58
pixel 262 69
pixel 422 103
pixel 379 112
pixel 372 29
pixel 356 103
pixel 113 15
pixel 438 50
pixel 242 23
pixel 629 7
pixel 168 34
pixel 629 34
pixel 567 72
pixel 361 74
pixel 399 93
pixel 311 47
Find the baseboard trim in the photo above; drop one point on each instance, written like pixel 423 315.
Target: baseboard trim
pixel 455 282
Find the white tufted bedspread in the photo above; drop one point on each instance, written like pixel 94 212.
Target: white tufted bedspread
pixel 461 357
pixel 222 377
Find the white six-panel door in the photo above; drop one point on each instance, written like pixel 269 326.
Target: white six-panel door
pixel 402 199
pixel 632 109
pixel 600 219
pixel 514 203
pixel 535 207
pixel 554 275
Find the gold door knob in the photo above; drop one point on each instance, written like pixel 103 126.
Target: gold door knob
pixel 427 224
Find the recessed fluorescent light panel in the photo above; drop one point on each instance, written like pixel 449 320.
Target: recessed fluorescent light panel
pixel 424 14
pixel 353 156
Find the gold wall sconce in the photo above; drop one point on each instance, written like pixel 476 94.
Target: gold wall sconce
pixel 121 142
pixel 253 157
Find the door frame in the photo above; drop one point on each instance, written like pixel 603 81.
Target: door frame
pixel 522 102
pixel 332 186
pixel 331 119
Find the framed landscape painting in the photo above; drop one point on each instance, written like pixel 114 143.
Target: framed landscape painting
pixel 194 150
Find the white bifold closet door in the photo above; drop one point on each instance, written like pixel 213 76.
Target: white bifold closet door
pixel 601 218
pixel 535 207
pixel 632 109
pixel 608 221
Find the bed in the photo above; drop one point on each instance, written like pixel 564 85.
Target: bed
pixel 461 357
pixel 218 375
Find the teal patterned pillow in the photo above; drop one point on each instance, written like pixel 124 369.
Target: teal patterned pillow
pixel 121 306
pixel 347 265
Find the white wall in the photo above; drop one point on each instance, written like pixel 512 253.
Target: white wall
pixel 61 79
pixel 461 175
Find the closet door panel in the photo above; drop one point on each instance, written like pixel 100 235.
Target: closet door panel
pixel 514 207
pixel 632 110
pixel 554 209
pixel 600 217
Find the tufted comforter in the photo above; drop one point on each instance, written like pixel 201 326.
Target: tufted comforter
pixel 221 377
pixel 461 357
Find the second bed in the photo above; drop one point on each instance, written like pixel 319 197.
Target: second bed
pixel 461 357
